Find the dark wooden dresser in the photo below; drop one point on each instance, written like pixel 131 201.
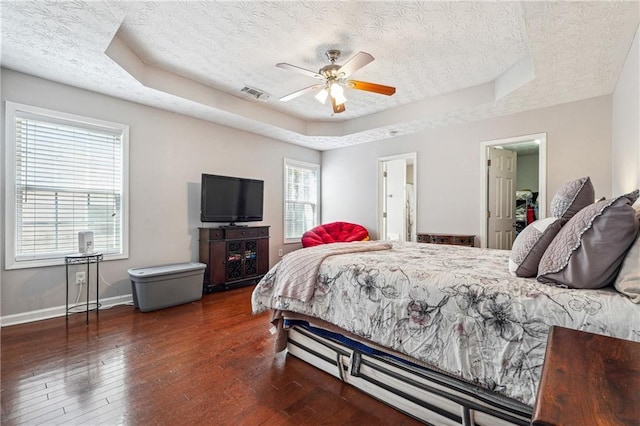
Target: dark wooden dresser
pixel 588 379
pixel 452 239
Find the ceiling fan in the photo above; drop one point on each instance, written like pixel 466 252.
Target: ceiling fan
pixel 335 78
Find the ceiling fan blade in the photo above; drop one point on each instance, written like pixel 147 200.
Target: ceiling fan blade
pixel 356 62
pixel 300 70
pixel 300 92
pixel 371 87
pixel 337 108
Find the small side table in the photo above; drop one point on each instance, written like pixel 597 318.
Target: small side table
pixel 81 259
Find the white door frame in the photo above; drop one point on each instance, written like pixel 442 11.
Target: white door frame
pixel 542 177
pixel 408 156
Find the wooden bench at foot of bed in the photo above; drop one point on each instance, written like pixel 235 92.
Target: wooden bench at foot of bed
pixel 588 379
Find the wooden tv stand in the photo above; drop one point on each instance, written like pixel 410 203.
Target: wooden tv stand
pixel 235 256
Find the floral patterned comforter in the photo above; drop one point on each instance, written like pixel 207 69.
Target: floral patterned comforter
pixel 455 308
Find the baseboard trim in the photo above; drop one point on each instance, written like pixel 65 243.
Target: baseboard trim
pixel 59 311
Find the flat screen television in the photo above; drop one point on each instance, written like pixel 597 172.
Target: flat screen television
pixel 231 199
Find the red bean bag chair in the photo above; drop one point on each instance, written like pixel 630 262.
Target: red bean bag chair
pixel 334 232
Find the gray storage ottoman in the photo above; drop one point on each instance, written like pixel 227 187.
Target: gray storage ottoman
pixel 163 286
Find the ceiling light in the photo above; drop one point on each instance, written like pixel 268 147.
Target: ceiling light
pixel 340 99
pixel 336 90
pixel 321 96
pixel 337 93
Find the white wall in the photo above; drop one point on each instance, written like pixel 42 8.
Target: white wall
pixel 578 141
pixel 168 153
pixel 626 124
pixel 528 171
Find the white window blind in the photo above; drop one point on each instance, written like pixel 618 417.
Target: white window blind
pixel 68 176
pixel 301 207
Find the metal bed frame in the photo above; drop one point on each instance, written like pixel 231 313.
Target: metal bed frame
pixel 427 395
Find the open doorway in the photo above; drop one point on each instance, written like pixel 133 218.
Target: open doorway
pixel 397 197
pixel 513 187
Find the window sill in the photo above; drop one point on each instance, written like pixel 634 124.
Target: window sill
pixel 292 241
pixel 59 261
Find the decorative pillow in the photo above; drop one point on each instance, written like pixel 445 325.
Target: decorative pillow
pixel 589 249
pixel 571 198
pixel 334 232
pixel 530 245
pixel 628 280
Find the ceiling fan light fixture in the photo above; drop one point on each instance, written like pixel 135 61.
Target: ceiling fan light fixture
pixel 334 78
pixel 322 95
pixel 336 90
pixel 337 93
pixel 340 99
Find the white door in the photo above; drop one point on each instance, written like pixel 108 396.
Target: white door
pixel 501 223
pixel 394 200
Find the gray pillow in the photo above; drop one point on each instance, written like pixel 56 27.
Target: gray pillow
pixel 530 245
pixel 571 198
pixel 589 249
pixel 628 280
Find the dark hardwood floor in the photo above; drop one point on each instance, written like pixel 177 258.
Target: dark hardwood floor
pixel 206 362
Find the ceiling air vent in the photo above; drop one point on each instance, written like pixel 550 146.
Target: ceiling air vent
pixel 255 93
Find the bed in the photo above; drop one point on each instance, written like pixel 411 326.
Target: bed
pixel 443 333
pixel 456 335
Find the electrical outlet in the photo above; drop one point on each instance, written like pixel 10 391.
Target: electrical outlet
pixel 280 252
pixel 81 278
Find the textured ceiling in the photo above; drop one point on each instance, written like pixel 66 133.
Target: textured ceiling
pixel 451 62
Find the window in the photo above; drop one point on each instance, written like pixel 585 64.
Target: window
pixel 301 205
pixel 65 174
